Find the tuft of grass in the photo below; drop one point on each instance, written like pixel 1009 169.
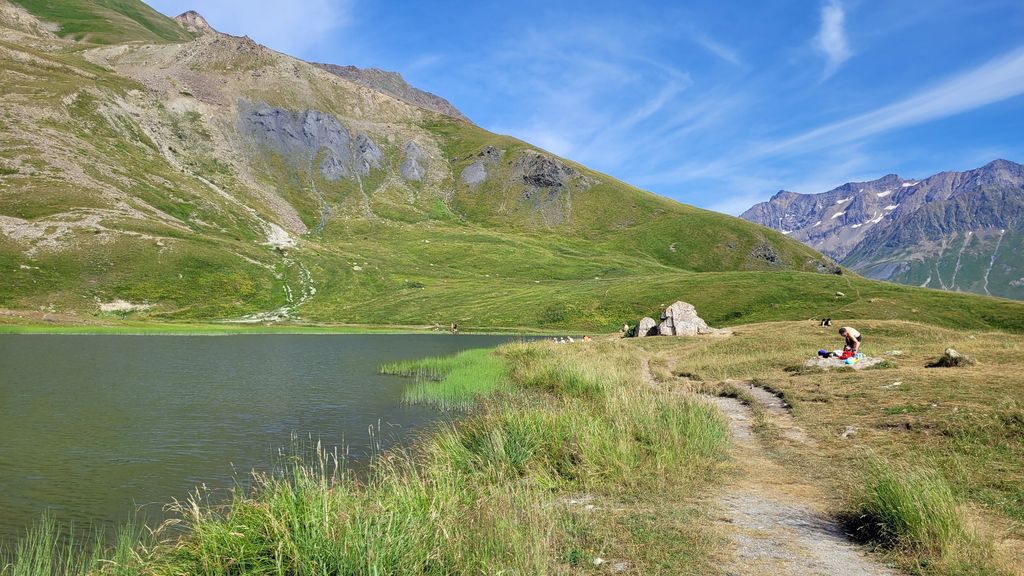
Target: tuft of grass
pixel 433 368
pixel 912 510
pixel 50 549
pixel 803 369
pixel 44 551
pixel 451 382
pixel 686 375
pixel 884 365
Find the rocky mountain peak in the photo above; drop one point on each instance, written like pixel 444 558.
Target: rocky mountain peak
pixel 1001 164
pixel 782 194
pixel 1002 170
pixel 194 22
pixel 952 230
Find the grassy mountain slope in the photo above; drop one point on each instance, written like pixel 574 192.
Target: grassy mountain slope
pixel 215 179
pixel 106 21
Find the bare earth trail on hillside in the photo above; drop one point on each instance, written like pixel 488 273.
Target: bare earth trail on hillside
pixel 776 521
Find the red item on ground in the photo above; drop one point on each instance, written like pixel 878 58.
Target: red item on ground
pixel 846 354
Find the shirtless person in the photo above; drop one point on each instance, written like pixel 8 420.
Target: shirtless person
pixel 853 339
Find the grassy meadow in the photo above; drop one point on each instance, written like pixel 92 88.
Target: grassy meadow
pixel 932 472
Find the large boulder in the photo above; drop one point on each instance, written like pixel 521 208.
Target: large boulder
pixel 680 319
pixel 646 327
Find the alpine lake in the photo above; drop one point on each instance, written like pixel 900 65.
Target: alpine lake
pixel 97 430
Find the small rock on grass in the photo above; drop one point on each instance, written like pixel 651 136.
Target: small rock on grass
pixel 952 359
pixel 848 432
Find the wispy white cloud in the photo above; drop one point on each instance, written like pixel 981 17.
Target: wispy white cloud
pixel 998 79
pixel 289 27
pixel 717 48
pixel 831 39
pixel 742 187
pixel 588 95
pixel 423 62
pixel 835 152
pixel 994 81
pixel 666 94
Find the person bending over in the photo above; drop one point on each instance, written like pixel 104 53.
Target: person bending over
pixel 853 339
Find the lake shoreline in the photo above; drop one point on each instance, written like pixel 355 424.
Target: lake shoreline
pixel 231 329
pixel 571 458
pixel 155 417
pixel 568 439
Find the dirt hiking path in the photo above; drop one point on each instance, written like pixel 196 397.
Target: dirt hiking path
pixel 775 519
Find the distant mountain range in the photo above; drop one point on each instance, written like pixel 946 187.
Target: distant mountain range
pixel 957 231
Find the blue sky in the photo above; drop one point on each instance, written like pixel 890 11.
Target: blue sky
pixel 717 104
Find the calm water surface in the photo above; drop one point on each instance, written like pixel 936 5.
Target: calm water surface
pixel 94 427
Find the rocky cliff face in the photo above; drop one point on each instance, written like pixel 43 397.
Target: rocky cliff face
pixel 954 231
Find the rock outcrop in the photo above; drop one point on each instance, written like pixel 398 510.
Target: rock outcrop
pixel 541 171
pixel 194 22
pixel 412 167
pixel 679 319
pixel 646 327
pixel 368 155
pixel 476 173
pixel 548 185
pixel 765 252
pixel 301 136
